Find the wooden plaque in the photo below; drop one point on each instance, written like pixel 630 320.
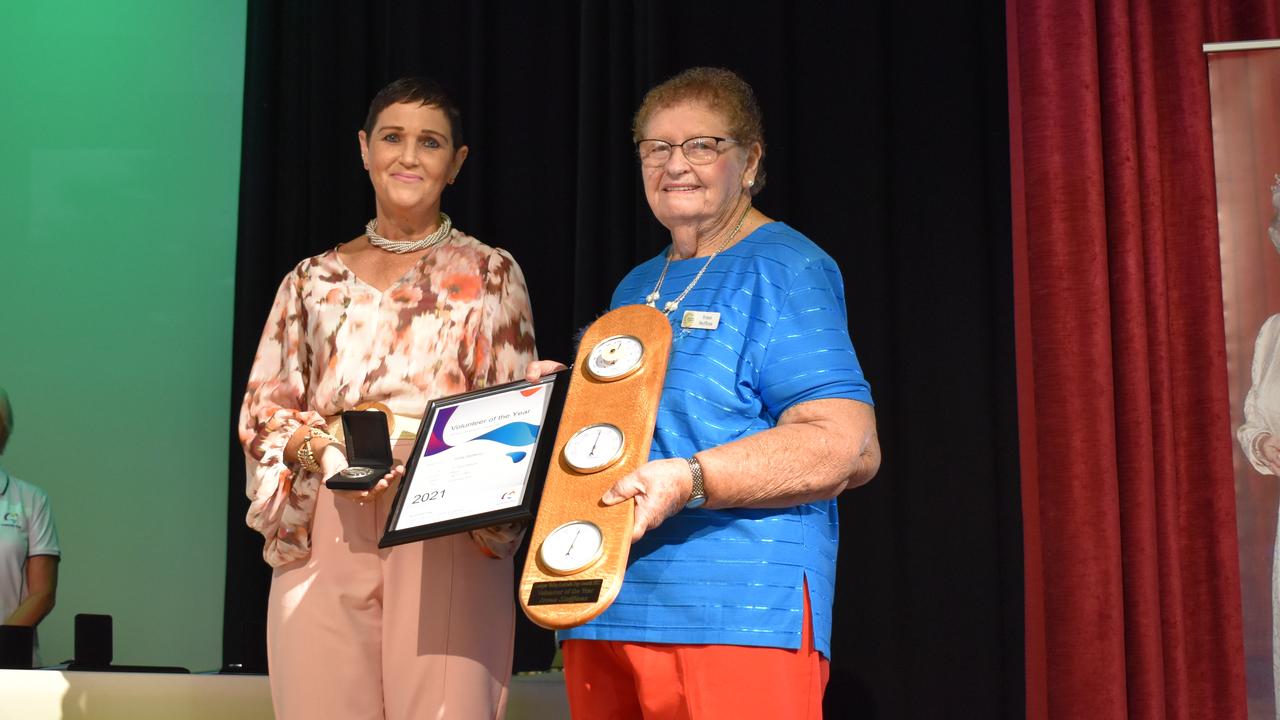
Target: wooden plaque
pixel 579 547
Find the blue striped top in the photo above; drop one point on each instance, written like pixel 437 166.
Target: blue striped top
pixel 736 576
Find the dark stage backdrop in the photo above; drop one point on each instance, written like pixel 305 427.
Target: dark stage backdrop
pixel 887 144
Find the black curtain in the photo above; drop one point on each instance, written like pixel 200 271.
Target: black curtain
pixel 887 144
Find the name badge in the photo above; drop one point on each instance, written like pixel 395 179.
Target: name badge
pixel 697 320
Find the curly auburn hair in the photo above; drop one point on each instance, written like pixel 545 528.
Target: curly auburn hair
pixel 724 92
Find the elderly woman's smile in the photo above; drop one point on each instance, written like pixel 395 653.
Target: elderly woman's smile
pixel 695 194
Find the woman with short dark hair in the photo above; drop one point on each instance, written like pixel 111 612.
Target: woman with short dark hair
pixel 411 310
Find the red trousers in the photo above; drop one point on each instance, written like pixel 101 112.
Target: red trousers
pixel 613 680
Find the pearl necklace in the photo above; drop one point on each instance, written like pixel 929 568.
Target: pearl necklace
pixel 407 246
pixel 669 306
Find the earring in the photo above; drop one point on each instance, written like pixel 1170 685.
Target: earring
pixel 751 183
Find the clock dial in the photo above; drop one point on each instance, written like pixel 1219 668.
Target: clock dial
pixel 572 547
pixel 615 357
pixel 594 448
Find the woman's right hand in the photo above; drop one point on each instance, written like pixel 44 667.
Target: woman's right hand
pixel 333 459
pixel 538 368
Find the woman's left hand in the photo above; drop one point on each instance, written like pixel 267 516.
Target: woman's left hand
pixel 660 488
pixel 540 368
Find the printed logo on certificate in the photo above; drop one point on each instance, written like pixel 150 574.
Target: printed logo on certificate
pixel 479 460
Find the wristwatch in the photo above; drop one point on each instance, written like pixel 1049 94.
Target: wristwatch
pixel 697 495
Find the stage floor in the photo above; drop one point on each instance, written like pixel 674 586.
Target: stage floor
pixel 63 695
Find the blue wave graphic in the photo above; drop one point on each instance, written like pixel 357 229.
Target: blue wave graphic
pixel 516 456
pixel 516 434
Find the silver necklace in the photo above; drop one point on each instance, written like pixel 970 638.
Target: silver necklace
pixel 668 307
pixel 407 246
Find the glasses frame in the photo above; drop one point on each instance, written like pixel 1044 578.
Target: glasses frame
pixel 672 146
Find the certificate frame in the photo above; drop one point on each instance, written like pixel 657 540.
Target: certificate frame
pixel 448 458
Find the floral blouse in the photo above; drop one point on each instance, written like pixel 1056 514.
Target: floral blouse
pixel 458 320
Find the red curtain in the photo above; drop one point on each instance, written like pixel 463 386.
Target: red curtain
pixel 1132 576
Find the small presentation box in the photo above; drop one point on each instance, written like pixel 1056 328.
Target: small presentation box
pixel 368 442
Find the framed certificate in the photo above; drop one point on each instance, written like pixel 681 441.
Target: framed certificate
pixel 480 459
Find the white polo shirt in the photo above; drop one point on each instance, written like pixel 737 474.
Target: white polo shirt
pixel 26 529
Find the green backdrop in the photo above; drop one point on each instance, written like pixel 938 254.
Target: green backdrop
pixel 119 169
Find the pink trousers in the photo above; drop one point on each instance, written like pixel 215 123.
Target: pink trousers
pixel 423 630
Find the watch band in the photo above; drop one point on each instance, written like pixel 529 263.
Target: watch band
pixel 697 494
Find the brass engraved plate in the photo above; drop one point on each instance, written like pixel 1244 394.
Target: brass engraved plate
pixel 565 592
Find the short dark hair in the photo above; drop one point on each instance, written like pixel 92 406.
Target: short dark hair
pixel 423 91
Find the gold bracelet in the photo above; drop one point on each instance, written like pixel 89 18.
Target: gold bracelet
pixel 306 456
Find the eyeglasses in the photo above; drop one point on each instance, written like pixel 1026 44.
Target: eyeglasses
pixel 697 150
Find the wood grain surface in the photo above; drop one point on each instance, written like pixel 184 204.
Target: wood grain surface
pixel 631 404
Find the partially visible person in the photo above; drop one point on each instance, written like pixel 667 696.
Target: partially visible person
pixel 29 551
pixel 1259 436
pixel 411 310
pixel 765 417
